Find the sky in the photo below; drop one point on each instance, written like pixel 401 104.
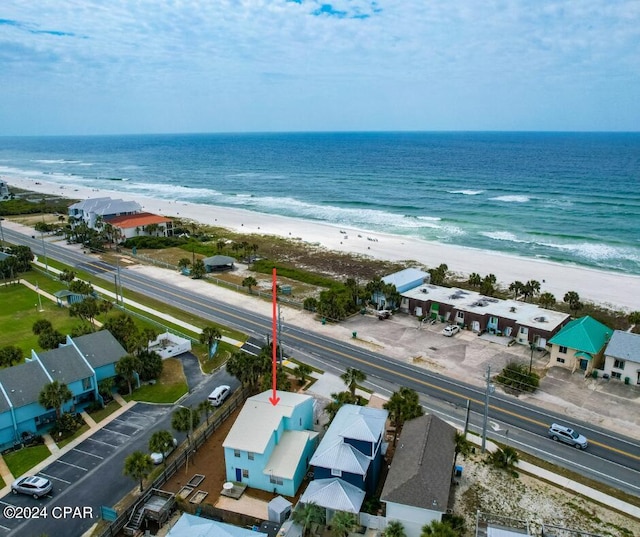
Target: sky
pixel 157 66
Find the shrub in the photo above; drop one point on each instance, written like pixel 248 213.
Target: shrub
pixel 518 377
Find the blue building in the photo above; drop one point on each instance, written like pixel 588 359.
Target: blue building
pixel 269 446
pixel 353 447
pixel 79 363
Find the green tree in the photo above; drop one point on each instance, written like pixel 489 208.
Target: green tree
pixel 55 395
pixel 463 446
pixel 80 287
pixel 138 466
pixel 208 336
pixel 517 288
pixel 475 280
pixel 161 442
pixel 634 317
pixel 249 282
pixel 506 458
pixel 10 355
pixel 352 377
pixel 50 339
pixel 282 380
pixel 437 528
pixel 124 329
pixel 40 326
pixel 530 289
pixel 183 263
pixel 439 274
pixel 547 300
pixel 573 300
pixel 333 304
pixel 402 406
pixel 394 529
pixel 67 276
pixel 302 372
pixel 204 407
pixel 151 365
pixel 126 367
pixel 338 400
pixel 105 388
pixel 86 309
pixel 198 269
pixel 185 420
pixel 306 515
pixel 310 304
pixel 487 286
pixel 343 523
pixel 248 369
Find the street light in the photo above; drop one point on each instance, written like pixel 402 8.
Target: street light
pixel 488 391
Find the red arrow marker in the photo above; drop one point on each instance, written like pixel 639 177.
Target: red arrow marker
pixel 274 399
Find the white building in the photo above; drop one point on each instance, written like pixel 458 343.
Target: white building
pixel 622 357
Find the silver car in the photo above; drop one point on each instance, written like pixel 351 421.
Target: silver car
pixel 32 485
pixel 560 433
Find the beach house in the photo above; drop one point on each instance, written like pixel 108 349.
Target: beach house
pixel 417 487
pixel 80 363
pixel 353 447
pixel 622 357
pixel 579 345
pixel 269 446
pixel 523 322
pixel 95 210
pixel 135 225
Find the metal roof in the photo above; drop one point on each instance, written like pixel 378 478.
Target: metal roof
pixel 624 346
pixel 405 276
pixel 334 493
pixel 584 334
pixel 286 456
pixel 259 419
pixel 195 526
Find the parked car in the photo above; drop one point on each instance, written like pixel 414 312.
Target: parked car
pixel 217 396
pixel 560 433
pixel 157 458
pixel 32 485
pixel 450 330
pixel 383 314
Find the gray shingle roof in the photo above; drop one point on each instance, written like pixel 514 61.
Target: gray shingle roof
pixel 421 469
pixel 64 364
pixel 624 346
pixel 23 382
pixel 100 348
pixel 218 260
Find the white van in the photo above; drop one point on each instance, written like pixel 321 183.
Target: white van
pixel 217 396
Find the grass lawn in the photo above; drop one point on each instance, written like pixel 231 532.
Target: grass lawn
pixel 101 414
pixel 2 483
pixel 19 310
pixel 21 461
pixel 223 353
pixel 171 385
pixel 75 435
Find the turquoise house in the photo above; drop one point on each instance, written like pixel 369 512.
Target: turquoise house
pixel 80 363
pixel 269 446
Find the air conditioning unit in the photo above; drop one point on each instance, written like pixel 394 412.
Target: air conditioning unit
pixel 423 290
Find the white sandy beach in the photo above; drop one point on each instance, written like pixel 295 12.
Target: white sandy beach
pixel 618 291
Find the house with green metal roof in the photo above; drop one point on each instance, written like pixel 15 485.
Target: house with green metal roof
pixel 579 344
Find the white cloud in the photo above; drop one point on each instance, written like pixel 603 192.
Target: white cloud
pixel 272 65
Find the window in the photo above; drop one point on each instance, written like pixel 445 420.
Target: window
pixel 250 455
pixel 245 474
pixel 460 315
pixel 86 384
pixel 618 364
pixel 236 453
pixel 562 350
pixel 336 473
pixel 524 330
pixel 616 375
pixel 560 360
pixel 275 480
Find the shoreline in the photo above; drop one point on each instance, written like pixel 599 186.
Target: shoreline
pixel 608 289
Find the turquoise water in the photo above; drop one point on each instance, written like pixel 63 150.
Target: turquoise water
pixel 567 197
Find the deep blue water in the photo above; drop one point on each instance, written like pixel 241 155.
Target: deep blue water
pixel 568 197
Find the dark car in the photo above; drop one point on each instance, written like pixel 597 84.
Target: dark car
pixel 32 485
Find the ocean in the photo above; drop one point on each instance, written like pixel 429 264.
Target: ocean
pixel 567 197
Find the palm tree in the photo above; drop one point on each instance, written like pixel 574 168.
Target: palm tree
pixel 302 372
pixel 126 367
pixel 209 336
pixel 351 378
pixel 402 406
pixel 198 269
pixel 547 300
pixel 573 299
pixel 338 400
pixel 306 515
pixel 55 395
pixel 474 281
pixel 161 442
pixel 137 466
pixel 505 458
pixel 249 282
pixel 394 529
pixel 185 420
pixel 634 317
pixel 517 288
pixel 463 446
pixel 343 523
pixel 438 529
pixel 183 263
pixel 204 407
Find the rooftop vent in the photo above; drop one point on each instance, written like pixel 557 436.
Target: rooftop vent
pixel 540 319
pixel 424 290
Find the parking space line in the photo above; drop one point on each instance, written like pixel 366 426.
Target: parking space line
pixel 73 465
pixel 5 528
pixel 5 503
pixel 116 432
pixel 87 453
pixel 56 478
pixel 101 442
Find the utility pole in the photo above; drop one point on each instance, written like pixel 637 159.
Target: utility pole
pixel 1 233
pixel 279 335
pixel 488 391
pixel 44 253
